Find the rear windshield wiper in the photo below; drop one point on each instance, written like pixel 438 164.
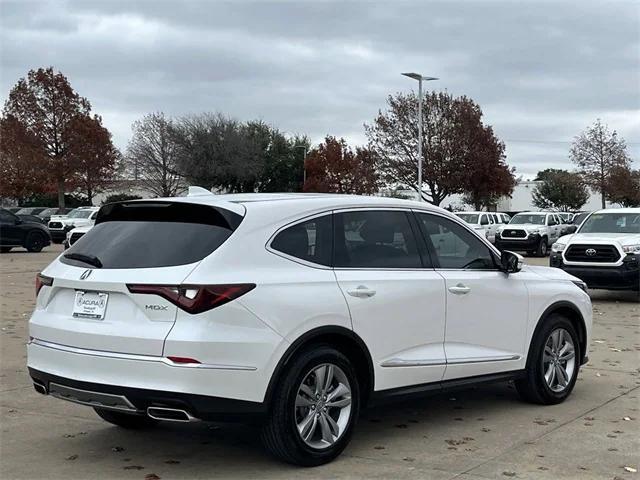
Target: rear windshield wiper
pixel 89 259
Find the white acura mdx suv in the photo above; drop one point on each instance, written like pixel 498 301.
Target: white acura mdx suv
pixel 296 309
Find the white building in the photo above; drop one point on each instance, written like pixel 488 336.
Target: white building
pixel 520 200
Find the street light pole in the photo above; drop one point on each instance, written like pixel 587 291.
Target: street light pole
pixel 419 78
pixel 304 163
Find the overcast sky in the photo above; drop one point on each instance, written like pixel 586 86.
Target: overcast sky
pixel 541 71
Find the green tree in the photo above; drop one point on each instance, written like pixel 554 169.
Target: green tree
pixel 560 190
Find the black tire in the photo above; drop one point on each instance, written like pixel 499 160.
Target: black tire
pixel 543 248
pixel 280 435
pixel 533 387
pixel 5 249
pixel 35 242
pixel 126 420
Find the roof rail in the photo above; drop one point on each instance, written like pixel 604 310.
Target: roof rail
pixel 198 191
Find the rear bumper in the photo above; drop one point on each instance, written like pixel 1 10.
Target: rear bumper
pixel 523 245
pixel 200 406
pixel 214 391
pixel 623 277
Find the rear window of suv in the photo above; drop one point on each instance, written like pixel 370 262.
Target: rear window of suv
pixel 152 234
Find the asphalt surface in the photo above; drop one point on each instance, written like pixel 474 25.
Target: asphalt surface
pixel 479 433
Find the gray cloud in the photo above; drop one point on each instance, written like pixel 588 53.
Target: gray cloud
pixel 541 71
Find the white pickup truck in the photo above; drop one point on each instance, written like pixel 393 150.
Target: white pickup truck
pixel 485 223
pixel 60 226
pixel 605 250
pixel 531 232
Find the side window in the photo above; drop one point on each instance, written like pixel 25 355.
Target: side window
pixel 310 241
pixel 550 220
pixel 375 239
pixel 484 220
pixel 453 246
pixel 93 215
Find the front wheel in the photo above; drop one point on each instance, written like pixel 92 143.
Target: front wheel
pixel 314 409
pixel 553 365
pixel 542 249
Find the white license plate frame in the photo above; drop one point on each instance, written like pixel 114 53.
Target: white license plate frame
pixel 92 305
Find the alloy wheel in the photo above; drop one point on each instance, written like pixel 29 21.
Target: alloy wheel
pixel 323 406
pixel 559 360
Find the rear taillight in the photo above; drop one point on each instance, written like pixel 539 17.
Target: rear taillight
pixel 195 298
pixel 41 281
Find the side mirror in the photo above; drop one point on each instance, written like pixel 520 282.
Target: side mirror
pixel 511 262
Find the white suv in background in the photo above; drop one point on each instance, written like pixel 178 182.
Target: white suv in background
pixel 296 309
pixel 531 232
pixel 605 251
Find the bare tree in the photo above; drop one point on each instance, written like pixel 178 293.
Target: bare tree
pixel 597 152
pixel 152 154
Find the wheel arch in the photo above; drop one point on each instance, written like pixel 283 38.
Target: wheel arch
pixel 573 314
pixel 341 338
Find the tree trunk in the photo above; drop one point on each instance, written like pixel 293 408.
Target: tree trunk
pixel 90 195
pixel 61 193
pixel 602 196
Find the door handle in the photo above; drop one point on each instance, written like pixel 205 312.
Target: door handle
pixel 361 292
pixel 460 289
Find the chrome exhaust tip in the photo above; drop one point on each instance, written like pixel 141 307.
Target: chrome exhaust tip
pixel 39 387
pixel 171 414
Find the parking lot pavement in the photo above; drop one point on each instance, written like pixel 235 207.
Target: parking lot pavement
pixel 480 433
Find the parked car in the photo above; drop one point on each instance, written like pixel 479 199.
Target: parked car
pixel 605 251
pixel 296 311
pixel 484 222
pixel 16 232
pixel 60 226
pixel 531 232
pixel 12 209
pixel 31 218
pixel 30 210
pixel 46 214
pixel 74 235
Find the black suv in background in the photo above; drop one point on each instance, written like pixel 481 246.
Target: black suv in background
pixel 16 232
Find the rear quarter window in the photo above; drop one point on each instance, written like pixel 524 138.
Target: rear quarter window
pixel 154 234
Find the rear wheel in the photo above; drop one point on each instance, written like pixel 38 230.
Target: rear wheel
pixel 35 242
pixel 314 409
pixel 553 364
pixel 125 420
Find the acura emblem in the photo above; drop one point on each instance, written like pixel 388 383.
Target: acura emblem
pixel 86 274
pixel 590 251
